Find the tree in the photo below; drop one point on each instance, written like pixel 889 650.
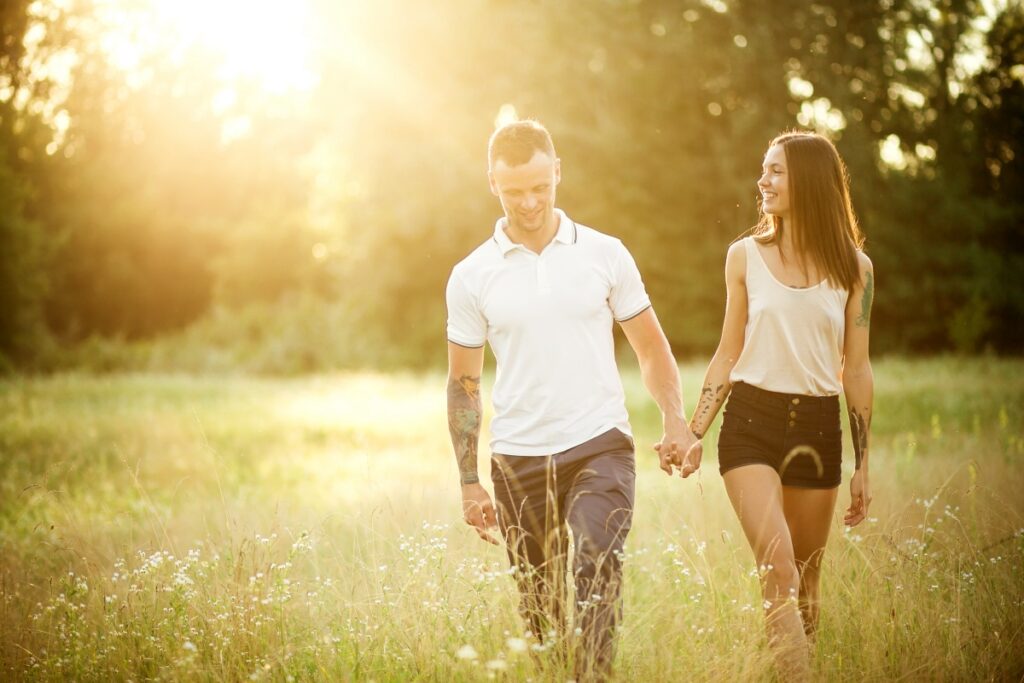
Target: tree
pixel 24 166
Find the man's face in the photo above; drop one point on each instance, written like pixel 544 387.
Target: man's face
pixel 527 191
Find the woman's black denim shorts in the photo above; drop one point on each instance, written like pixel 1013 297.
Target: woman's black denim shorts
pixel 798 436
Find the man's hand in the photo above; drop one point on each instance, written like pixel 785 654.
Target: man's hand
pixel 679 448
pixel 666 455
pixel 860 498
pixel 478 511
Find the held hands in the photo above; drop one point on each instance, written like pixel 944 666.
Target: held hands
pixel 679 448
pixel 860 498
pixel 478 511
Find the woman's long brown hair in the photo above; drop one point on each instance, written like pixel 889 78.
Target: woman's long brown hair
pixel 823 226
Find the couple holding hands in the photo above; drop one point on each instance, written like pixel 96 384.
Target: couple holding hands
pixel 544 292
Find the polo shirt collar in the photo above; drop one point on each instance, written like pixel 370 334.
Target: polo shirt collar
pixel 566 233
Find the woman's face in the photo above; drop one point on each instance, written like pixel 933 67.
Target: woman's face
pixel 774 183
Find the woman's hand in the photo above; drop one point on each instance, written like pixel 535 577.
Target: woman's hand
pixel 860 498
pixel 688 460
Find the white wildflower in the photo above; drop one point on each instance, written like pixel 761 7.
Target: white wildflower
pixel 467 652
pixel 516 645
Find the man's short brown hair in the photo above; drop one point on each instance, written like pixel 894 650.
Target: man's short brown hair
pixel 515 143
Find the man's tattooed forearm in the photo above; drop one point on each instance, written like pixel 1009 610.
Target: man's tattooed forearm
pixel 860 422
pixel 464 412
pixel 865 302
pixel 470 385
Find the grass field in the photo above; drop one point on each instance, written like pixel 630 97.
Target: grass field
pixel 212 528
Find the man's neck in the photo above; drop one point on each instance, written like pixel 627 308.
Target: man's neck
pixel 536 241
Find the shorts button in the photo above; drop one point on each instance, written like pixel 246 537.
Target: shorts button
pixel 792 414
pixel 792 424
pixel 796 401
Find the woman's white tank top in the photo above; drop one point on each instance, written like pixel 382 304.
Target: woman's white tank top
pixel 793 342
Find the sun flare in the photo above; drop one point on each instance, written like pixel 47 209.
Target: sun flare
pixel 263 43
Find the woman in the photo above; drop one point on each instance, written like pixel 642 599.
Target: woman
pixel 799 293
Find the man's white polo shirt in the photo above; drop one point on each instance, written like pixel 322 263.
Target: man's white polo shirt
pixel 548 318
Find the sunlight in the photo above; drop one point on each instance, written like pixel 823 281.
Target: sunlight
pixel 256 42
pixel 259 41
pixel 892 154
pixel 799 87
pixel 506 114
pixel 366 403
pixel 820 115
pixel 381 423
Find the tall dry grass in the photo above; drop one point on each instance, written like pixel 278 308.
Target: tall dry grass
pixel 187 528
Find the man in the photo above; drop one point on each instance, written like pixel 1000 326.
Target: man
pixel 543 291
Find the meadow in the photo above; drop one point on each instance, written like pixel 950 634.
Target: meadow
pixel 183 527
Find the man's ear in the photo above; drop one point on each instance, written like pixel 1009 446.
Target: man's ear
pixel 558 171
pixel 494 185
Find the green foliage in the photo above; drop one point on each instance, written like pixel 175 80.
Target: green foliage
pixel 21 270
pixel 24 250
pixel 295 334
pixel 365 191
pixel 157 218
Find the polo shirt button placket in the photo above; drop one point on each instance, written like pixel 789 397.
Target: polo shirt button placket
pixel 543 286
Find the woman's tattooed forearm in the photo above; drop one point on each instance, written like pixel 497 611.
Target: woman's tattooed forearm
pixel 865 301
pixel 860 423
pixel 707 407
pixel 464 412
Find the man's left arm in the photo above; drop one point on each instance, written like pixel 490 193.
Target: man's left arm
pixel 661 377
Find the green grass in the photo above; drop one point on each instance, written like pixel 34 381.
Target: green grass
pixel 216 528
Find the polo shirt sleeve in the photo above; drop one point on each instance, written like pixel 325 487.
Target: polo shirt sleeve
pixel 466 324
pixel 628 297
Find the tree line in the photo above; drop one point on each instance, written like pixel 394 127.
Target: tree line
pixel 141 203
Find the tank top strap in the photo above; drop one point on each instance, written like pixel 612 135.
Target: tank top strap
pixel 756 269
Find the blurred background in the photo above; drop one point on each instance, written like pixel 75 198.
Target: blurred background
pixel 285 187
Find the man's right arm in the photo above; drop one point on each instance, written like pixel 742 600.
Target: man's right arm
pixel 465 411
pixel 465 408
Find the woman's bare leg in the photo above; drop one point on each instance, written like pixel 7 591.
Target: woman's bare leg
pixel 809 516
pixel 756 495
